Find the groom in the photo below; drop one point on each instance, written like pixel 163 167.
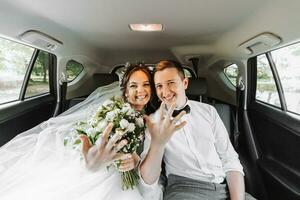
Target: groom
pixel 200 162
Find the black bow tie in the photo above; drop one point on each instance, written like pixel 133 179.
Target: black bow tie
pixel 186 108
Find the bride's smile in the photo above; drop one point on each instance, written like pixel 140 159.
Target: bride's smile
pixel 138 90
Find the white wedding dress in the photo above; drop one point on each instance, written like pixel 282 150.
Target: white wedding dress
pixel 36 165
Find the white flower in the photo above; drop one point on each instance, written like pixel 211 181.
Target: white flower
pixel 131 112
pixel 107 102
pixel 131 127
pixel 126 105
pixel 101 125
pixel 141 137
pixel 139 121
pixel 120 131
pixel 91 132
pixel 124 123
pixel 110 116
pixel 92 121
pixel 125 109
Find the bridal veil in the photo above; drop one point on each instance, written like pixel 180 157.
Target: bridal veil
pixel 37 165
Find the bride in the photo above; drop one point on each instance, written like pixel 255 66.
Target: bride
pixel 37 165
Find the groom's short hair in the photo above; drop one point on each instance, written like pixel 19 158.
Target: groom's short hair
pixel 166 64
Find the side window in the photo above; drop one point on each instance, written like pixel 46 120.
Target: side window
pixel 187 73
pixel 39 78
pixel 14 61
pixel 73 69
pixel 266 89
pixel 287 62
pixel 231 73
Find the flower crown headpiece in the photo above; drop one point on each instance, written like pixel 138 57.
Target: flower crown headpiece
pixel 125 68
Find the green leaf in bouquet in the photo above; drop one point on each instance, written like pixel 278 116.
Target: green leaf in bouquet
pixel 81 123
pixel 80 131
pixel 92 140
pixel 66 141
pixel 78 141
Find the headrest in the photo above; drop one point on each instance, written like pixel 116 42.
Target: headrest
pixel 101 79
pixel 197 87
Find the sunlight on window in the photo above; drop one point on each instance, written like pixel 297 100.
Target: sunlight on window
pixel 287 62
pixel 266 90
pixel 14 60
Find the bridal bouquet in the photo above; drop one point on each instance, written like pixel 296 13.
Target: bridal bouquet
pixel 126 122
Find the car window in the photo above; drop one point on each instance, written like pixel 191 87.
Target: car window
pixel 287 62
pixel 266 90
pixel 187 73
pixel 14 61
pixel 39 78
pixel 231 73
pixel 73 69
pixel 119 70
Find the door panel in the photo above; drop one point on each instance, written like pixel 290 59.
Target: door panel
pixel 277 137
pixel 31 78
pixel 25 115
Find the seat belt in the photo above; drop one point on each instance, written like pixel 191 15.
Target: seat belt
pixel 239 94
pixel 61 102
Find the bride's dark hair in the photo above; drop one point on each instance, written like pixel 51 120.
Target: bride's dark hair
pixel 129 70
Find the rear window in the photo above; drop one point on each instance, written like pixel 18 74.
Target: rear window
pixel 39 78
pixel 73 69
pixel 119 70
pixel 231 73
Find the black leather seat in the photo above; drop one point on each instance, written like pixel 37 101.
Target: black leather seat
pixel 101 79
pixel 98 80
pixel 197 90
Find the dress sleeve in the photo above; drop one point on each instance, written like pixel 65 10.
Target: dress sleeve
pixel 229 157
pixel 148 191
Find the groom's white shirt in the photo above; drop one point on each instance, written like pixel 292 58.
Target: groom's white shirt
pixel 201 150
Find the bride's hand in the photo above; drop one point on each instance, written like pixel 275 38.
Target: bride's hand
pixel 129 163
pixel 162 130
pixel 105 153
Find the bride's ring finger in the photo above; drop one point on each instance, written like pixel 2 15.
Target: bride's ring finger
pixel 119 146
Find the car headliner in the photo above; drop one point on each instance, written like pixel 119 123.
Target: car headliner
pixel 194 27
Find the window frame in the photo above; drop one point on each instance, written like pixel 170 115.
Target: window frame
pixel 252 63
pixel 52 76
pixel 277 81
pixel 254 81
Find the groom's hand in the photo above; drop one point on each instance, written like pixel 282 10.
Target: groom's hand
pixel 105 153
pixel 162 130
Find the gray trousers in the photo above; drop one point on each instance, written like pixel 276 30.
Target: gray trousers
pixel 182 188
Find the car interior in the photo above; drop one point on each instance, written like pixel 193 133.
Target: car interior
pixel 242 57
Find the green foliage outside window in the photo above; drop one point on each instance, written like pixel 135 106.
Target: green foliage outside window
pixel 39 77
pixel 232 72
pixel 73 69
